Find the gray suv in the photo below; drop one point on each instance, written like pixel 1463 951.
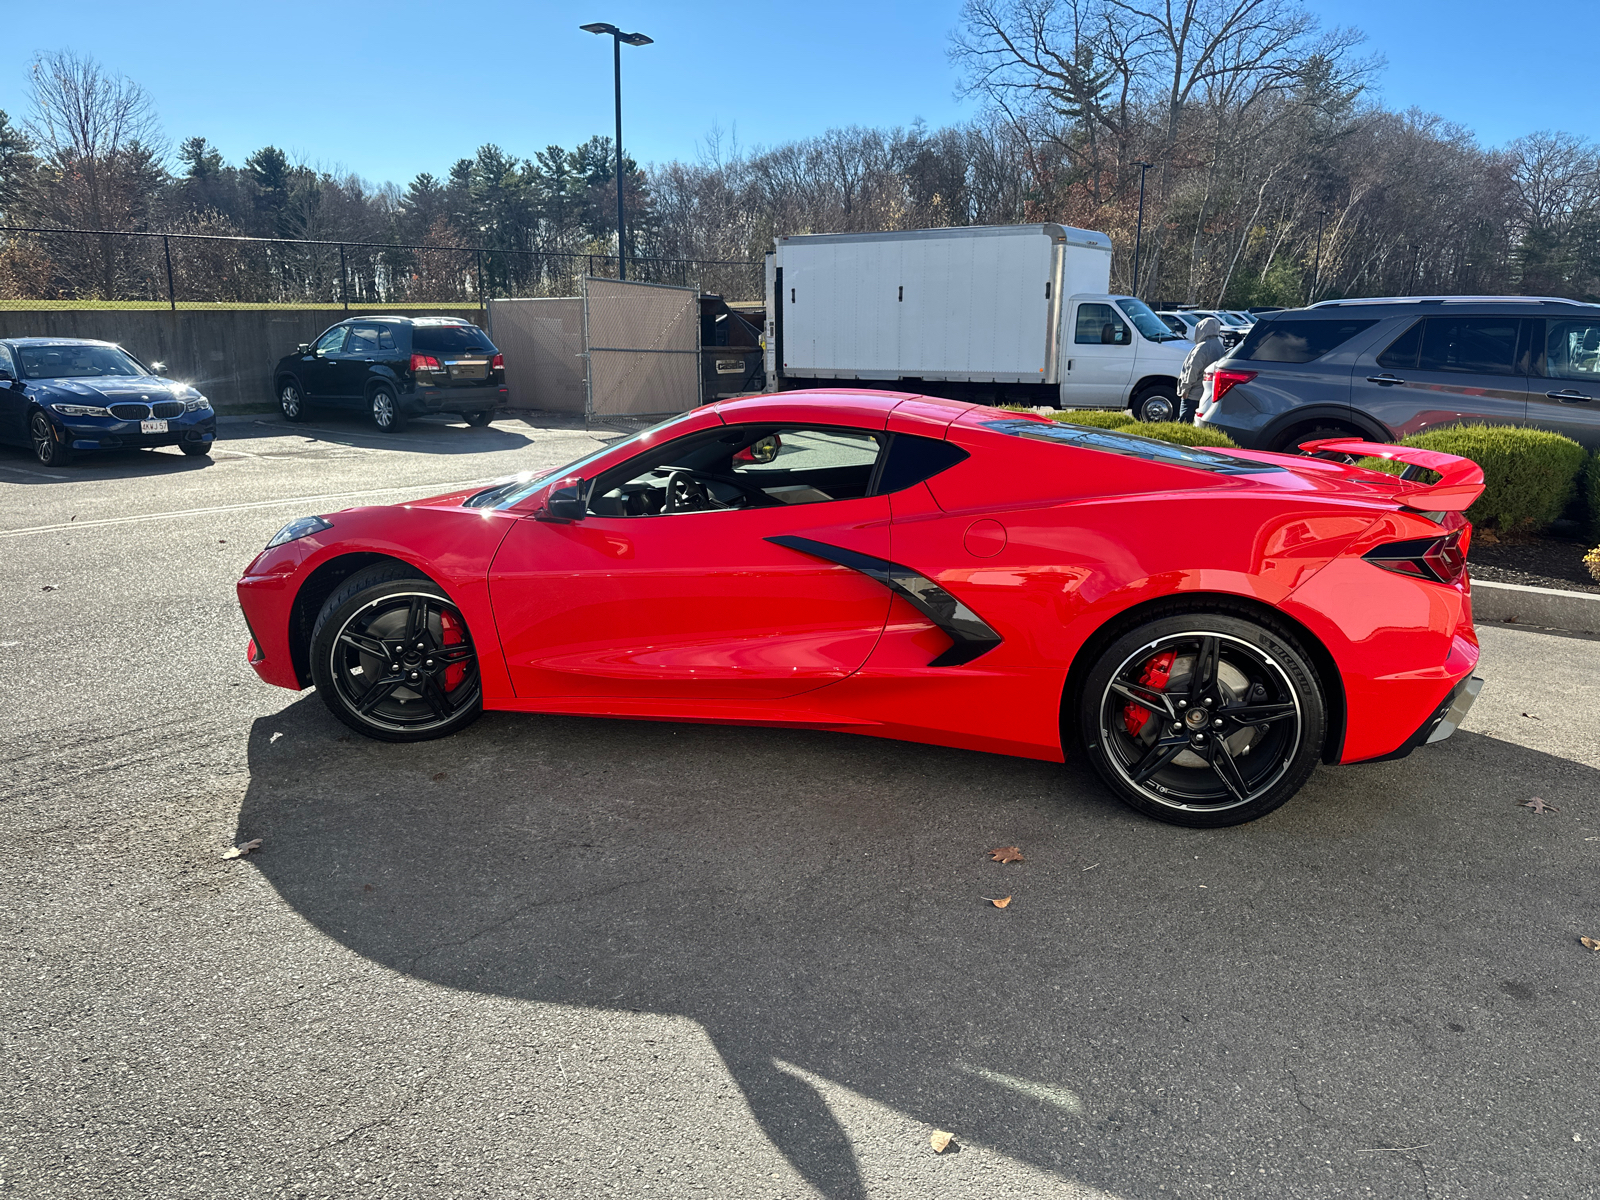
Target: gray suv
pixel 1385 369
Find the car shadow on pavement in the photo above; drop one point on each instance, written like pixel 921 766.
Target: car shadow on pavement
pixel 428 435
pixel 20 466
pixel 1153 1004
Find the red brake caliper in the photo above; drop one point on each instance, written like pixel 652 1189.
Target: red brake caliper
pixel 1155 676
pixel 452 635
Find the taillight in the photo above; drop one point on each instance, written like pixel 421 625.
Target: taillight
pixel 1224 378
pixel 497 363
pixel 1436 559
pixel 424 362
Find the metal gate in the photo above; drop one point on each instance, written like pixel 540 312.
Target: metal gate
pixel 542 340
pixel 642 342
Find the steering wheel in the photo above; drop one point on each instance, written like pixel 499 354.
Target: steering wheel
pixel 686 491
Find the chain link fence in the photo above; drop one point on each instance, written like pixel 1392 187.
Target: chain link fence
pixel 74 268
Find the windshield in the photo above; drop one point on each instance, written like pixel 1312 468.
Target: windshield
pixel 1145 321
pixel 75 362
pixel 514 491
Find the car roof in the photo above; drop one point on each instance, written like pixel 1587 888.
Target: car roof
pixel 407 320
pixel 54 341
pixel 1411 302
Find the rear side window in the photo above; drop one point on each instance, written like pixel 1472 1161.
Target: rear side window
pixel 1130 445
pixel 913 459
pixel 450 339
pixel 1297 341
pixel 1480 345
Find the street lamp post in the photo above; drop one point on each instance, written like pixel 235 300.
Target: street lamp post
pixel 1138 236
pixel 617 38
pixel 1316 270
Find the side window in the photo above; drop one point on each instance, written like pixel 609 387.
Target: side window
pixel 386 339
pixel 363 340
pixel 1572 350
pixel 741 467
pixel 912 459
pixel 1402 352
pixel 5 361
pixel 1481 345
pixel 1100 325
pixel 330 342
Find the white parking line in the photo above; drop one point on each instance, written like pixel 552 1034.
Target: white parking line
pixel 427 489
pixel 35 474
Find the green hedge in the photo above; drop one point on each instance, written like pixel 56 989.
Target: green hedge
pixel 1591 494
pixel 1099 418
pixel 1529 475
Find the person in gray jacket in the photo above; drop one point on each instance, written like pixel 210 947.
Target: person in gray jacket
pixel 1208 348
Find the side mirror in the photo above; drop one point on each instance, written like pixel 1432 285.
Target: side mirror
pixel 160 368
pixel 6 377
pixel 763 450
pixel 303 348
pixel 565 504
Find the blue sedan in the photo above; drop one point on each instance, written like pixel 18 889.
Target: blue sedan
pixel 65 395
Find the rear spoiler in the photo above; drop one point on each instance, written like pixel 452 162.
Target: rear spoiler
pixel 1460 479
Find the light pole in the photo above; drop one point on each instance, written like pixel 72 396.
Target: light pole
pixel 1316 270
pixel 617 38
pixel 1138 236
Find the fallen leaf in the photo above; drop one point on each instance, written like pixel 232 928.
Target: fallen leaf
pixel 1531 717
pixel 1590 943
pixel 438 777
pixel 1538 806
pixel 50 587
pixel 939 1139
pixel 241 851
pixel 1006 854
pixel 1000 903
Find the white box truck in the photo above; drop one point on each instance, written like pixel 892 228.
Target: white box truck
pixel 991 313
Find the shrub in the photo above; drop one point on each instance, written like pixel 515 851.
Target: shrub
pixel 1182 433
pixel 1591 493
pixel 1099 418
pixel 1529 474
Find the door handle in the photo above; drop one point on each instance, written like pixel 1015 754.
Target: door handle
pixel 1385 379
pixel 1569 396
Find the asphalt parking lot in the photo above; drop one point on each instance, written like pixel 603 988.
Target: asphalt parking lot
pixel 566 957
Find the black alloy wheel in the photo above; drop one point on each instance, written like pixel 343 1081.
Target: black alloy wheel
pixel 1290 443
pixel 196 449
pixel 392 657
pixel 479 419
pixel 291 402
pixel 385 410
pixel 50 449
pixel 1205 719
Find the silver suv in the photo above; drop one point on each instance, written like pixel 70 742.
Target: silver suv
pixel 1386 369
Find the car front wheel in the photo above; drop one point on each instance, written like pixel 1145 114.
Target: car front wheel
pixel 50 450
pixel 1206 719
pixel 393 658
pixel 479 418
pixel 290 402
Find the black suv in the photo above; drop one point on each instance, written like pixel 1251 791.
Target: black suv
pixel 395 367
pixel 1385 369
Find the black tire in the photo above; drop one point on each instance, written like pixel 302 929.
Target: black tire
pixel 1172 765
pixel 1289 443
pixel 479 419
pixel 48 446
pixel 398 630
pixel 196 449
pixel 1158 402
pixel 291 401
pixel 384 409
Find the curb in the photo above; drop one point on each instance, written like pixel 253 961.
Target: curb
pixel 1519 604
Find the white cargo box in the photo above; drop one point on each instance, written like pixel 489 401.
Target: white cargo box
pixel 980 304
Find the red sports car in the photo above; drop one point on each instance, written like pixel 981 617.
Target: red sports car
pixel 1205 625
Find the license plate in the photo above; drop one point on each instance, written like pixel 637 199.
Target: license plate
pixel 727 366
pixel 152 427
pixel 469 370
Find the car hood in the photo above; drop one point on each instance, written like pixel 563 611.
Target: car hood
pixel 109 389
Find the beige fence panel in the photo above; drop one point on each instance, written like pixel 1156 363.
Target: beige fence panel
pixel 643 342
pixel 543 344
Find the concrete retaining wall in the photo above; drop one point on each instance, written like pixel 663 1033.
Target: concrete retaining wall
pixel 1521 605
pixel 227 353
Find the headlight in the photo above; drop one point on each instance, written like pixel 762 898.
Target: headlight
pixel 294 530
pixel 198 403
pixel 80 410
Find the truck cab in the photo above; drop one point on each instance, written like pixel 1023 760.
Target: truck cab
pixel 1116 353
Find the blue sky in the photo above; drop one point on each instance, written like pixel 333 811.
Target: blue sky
pixel 387 96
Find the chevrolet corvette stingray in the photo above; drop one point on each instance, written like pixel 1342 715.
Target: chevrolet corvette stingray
pixel 1204 625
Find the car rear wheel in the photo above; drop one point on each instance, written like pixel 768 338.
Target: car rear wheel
pixel 291 403
pixel 385 410
pixel 51 450
pixel 479 418
pixel 1203 719
pixel 1157 404
pixel 392 657
pixel 1290 442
